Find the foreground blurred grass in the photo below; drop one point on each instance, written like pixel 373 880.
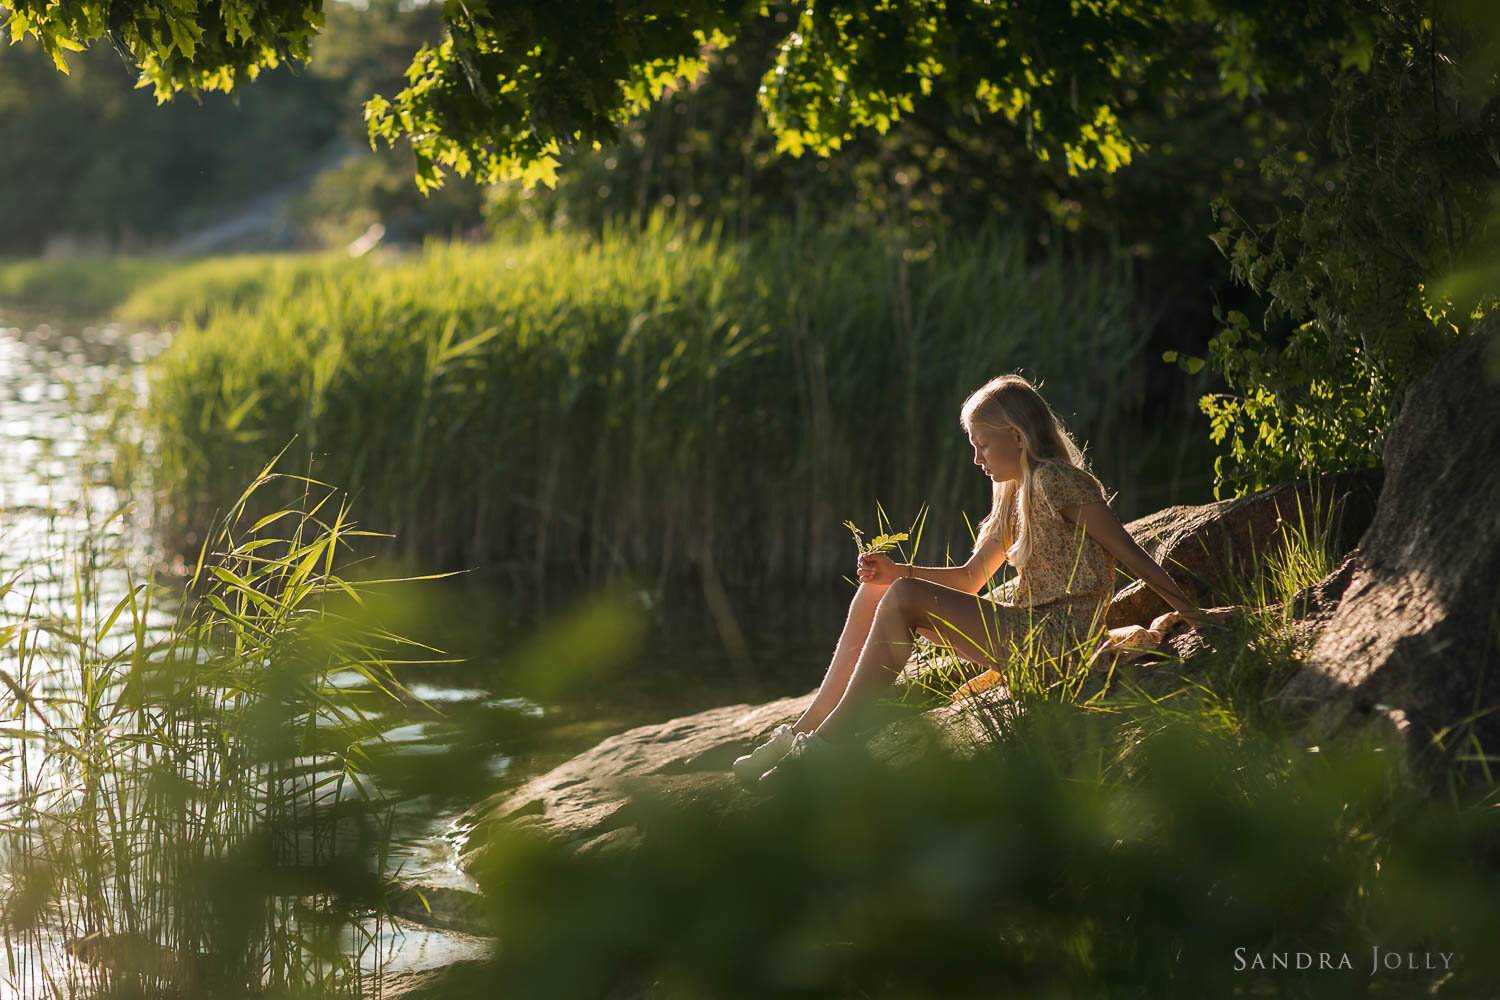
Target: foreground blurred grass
pixel 655 402
pixel 1170 836
pixel 1021 873
pixel 188 807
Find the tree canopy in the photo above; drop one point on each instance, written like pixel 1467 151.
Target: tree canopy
pixel 513 86
pixel 1376 248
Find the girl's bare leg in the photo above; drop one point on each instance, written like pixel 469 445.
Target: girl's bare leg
pixel 856 628
pixel 969 624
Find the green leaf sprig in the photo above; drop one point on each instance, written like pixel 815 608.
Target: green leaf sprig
pixel 880 543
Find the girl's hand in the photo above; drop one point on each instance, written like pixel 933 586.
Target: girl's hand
pixel 877 569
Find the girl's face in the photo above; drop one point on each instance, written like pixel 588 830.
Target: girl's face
pixel 997 450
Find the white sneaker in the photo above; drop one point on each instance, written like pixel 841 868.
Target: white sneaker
pixel 805 746
pixel 750 767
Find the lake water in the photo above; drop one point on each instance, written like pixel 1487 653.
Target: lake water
pixel 74 506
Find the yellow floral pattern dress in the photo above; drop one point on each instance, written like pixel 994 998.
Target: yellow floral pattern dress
pixel 1066 565
pixel 1056 610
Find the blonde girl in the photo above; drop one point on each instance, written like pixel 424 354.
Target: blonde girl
pixel 1048 518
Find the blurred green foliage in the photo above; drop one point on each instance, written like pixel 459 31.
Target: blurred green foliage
pixel 344 201
pixel 81 287
pixel 1387 198
pixel 1022 870
pixel 364 49
pixel 96 166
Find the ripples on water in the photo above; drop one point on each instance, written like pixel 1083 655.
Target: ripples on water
pixel 56 492
pixel 69 539
pixel 57 483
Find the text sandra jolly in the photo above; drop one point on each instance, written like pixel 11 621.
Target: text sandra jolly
pixel 1390 961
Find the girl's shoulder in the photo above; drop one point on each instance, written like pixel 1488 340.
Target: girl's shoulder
pixel 1063 484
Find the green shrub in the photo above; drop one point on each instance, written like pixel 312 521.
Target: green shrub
pixel 1023 872
pixel 1377 259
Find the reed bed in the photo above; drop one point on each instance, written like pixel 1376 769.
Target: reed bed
pixel 657 402
pixel 187 809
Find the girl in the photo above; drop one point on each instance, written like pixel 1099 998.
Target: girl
pixel 1048 518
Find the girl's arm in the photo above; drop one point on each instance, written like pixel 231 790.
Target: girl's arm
pixel 970 577
pixel 1103 527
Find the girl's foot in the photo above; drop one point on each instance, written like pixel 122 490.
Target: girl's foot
pixel 757 762
pixel 805 747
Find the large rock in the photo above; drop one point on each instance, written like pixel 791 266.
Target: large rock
pixel 1412 646
pixel 471 977
pixel 1211 549
pixel 586 803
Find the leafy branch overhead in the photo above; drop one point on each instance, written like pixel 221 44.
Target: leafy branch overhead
pixel 512 87
pixel 1374 253
pixel 1381 256
pixel 178 45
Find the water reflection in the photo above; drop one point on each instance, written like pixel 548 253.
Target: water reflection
pixel 59 491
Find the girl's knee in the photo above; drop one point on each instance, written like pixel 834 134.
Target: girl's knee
pixel 905 594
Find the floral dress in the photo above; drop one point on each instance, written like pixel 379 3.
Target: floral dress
pixel 1057 606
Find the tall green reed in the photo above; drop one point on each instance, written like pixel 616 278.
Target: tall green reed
pixel 187 807
pixel 659 402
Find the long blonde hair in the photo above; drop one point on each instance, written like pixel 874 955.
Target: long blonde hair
pixel 1011 401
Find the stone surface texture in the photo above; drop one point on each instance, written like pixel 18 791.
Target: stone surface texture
pixel 1411 647
pixel 1208 549
pixel 585 803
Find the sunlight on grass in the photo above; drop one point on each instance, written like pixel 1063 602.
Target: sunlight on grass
pixel 589 406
